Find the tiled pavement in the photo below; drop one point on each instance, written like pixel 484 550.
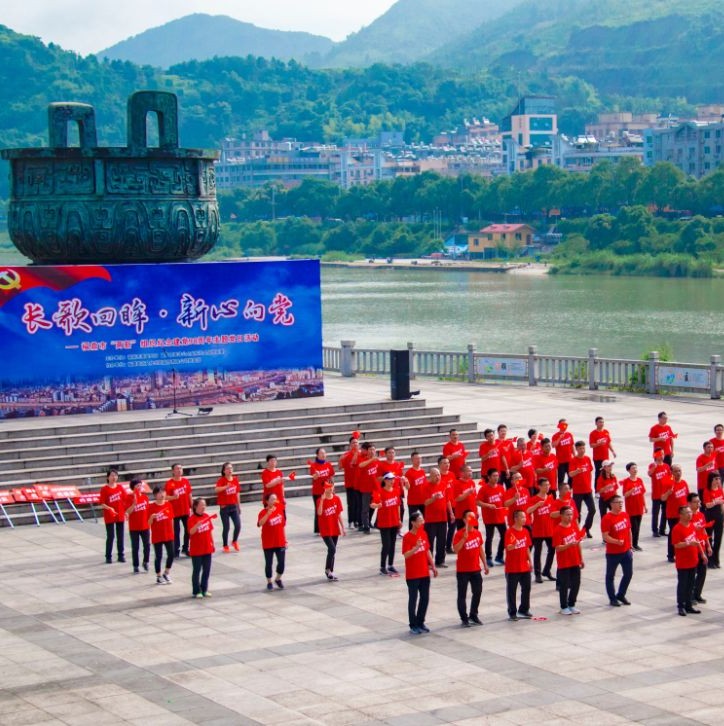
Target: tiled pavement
pixel 86 643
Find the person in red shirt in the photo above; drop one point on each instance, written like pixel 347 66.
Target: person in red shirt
pixel 616 530
pixel 468 546
pixel 662 437
pixel 418 563
pixel 331 526
pixel 113 504
pixel 705 463
pixel 228 492
pixel 387 503
pixel 601 447
pixel 178 492
pixel 634 497
pixel 542 530
pixel 491 498
pixel 562 441
pixel 417 485
pixel 517 567
pixel 521 462
pixel 565 499
pixel 201 548
pixel 606 487
pixel 137 512
pixel 674 494
pixel 687 551
pixel 348 465
pixel 464 496
pixel 546 465
pixel 367 482
pixel 534 442
pixel 718 443
pixel 271 520
pixel 569 560
pixel 580 473
pixel 455 452
pixel 160 519
pixel 700 526
pixel 391 465
pixel 489 453
pixel 448 480
pixel 506 447
pixel 516 498
pixel 714 513
pixel 272 481
pixel 322 472
pixel 659 473
pixel 438 512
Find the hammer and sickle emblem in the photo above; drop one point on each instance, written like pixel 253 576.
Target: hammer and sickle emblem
pixel 9 280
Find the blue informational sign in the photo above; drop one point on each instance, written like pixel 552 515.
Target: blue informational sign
pixel 82 338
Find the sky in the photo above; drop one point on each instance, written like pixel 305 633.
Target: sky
pixel 87 26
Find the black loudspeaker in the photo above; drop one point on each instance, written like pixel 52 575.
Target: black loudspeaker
pixel 400 375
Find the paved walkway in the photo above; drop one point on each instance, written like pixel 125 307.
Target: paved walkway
pixel 86 643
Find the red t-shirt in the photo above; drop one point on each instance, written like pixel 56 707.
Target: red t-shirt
pixel 181 506
pixel 469 556
pixel 114 497
pixel 550 464
pixel 329 518
pixel 667 444
pixel 542 522
pixel 517 559
pixel 534 446
pixel 201 542
pixel 660 474
pixel 367 477
pixel 600 442
pixel 522 501
pixel 436 511
pixel 417 565
pixel 526 470
pixel 718 445
pixel 325 470
pixel 493 495
pixel 417 479
pixel 272 531
pixel 618 526
pixel 563 443
pixel 506 447
pixel 469 502
pixel 686 557
pixel 712 495
pixel 493 461
pixel 570 557
pixel 138 518
pixel 635 503
pixel 348 463
pixel 388 515
pixel 458 462
pixel 607 488
pixel 581 483
pixel 267 476
pixel 677 498
pixel 699 521
pixel 230 494
pixel 702 477
pixel 162 525
pixel 559 503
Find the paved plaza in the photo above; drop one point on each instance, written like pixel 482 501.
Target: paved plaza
pixel 82 642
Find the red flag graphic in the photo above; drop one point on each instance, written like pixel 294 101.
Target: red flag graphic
pixel 14 280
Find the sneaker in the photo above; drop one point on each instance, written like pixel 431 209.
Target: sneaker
pixel 465 624
pixel 614 603
pixel 160 580
pixel 136 570
pixel 566 611
pixel 682 612
pixel 525 616
pixel 414 630
pixel 145 566
pixel 279 584
pixel 225 548
pixel 121 559
pixel 512 617
pixel 269 586
pixel 655 534
pixel 491 563
pixel 332 577
pixel 392 571
pixel 700 600
pixel 167 579
pixel 538 579
pixel 475 620
pixel 694 611
pixel 622 599
pixel 383 571
pixel 424 629
pixel 235 545
pixel 197 596
pixel 548 576
pixel 499 561
pixel 109 561
pixel 206 594
pixel 574 610
pixel 443 565
pixel 589 535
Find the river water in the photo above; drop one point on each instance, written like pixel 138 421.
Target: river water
pixel 504 313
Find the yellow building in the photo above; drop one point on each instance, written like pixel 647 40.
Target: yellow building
pixel 494 237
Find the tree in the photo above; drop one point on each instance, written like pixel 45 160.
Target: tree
pixel 659 184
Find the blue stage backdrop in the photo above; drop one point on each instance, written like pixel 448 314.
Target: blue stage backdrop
pixel 85 339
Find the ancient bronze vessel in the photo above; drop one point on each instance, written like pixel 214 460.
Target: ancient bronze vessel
pixel 92 204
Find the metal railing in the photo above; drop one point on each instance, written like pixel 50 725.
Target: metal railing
pixel 650 375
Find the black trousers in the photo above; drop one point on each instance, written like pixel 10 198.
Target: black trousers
pixel 658 516
pixel 715 535
pixel 269 554
pixel 331 543
pixel 316 498
pixel 672 523
pixel 685 580
pixel 230 514
pixel 586 499
pixel 158 548
pixel 489 531
pixel 351 509
pixel 569 583
pixel 597 466
pixel 364 510
pixel 418 598
pixel 138 537
pixel 388 535
pixel 177 522
pixel 537 551
pixel 512 580
pixel 475 580
pixel 200 572
pixel 699 580
pixel 603 506
pixel 625 560
pixel 563 468
pixel 114 531
pixel 635 529
pixel 436 533
pixel 449 535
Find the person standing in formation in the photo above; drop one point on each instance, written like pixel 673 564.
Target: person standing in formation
pixel 601 448
pixel 417 486
pixel 468 546
pixel 714 513
pixel 367 482
pixel 201 548
pixel 464 496
pixel 521 462
pixel 688 553
pixel 565 499
pixel 659 473
pixel 455 452
pixel 387 503
pixel 113 501
pixel 272 480
pixel 322 472
pixel 489 453
pixel 391 465
pixel 562 441
pixel 448 480
pixel 606 487
pixel 569 560
pixel 542 530
pixel 437 514
pixel 705 464
pixel 160 518
pixel 580 473
pixel 137 511
pixel 179 494
pixel 616 530
pixel 491 498
pixel 506 447
pixel 273 540
pixel 331 526
pixel 418 564
pixel 228 497
pixel 718 443
pixel 546 466
pixel 517 498
pixel 634 496
pixel 674 494
pixel 662 437
pixel 348 464
pixel 517 567
pixel 700 527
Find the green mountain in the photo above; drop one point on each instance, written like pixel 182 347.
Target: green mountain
pixel 410 29
pixel 201 36
pixel 627 47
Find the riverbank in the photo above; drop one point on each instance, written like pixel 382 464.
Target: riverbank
pixel 524 268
